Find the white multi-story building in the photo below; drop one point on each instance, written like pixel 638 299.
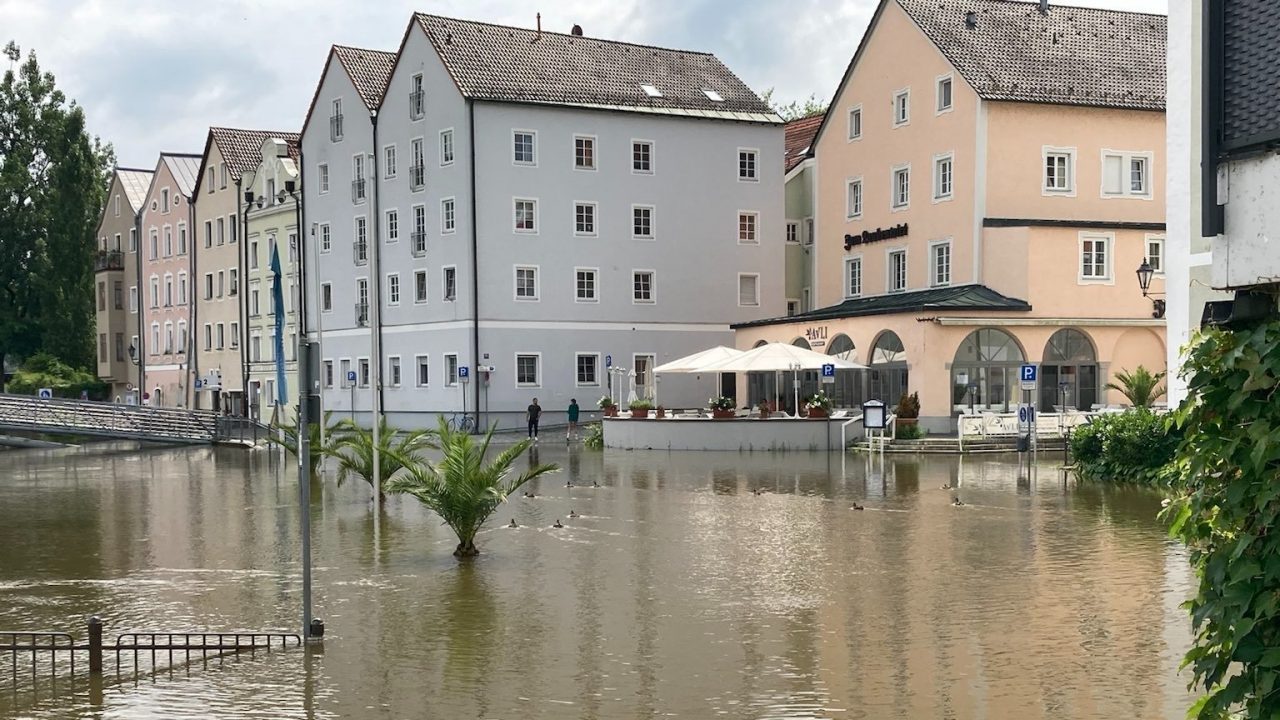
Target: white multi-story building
pixel 530 206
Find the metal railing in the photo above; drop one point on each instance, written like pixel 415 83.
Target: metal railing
pixel 107 260
pixel 100 419
pixel 335 127
pixel 417 177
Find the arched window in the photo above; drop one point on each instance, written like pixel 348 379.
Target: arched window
pixel 801 342
pixel 1069 373
pixel 889 377
pixel 759 343
pixel 846 391
pixel 984 373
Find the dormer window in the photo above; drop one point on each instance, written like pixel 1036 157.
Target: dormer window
pixel 651 91
pixel 164 200
pixel 712 95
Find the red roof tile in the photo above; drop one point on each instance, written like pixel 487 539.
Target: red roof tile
pixel 799 137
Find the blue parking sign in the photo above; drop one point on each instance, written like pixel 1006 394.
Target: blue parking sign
pixel 1028 376
pixel 608 361
pixel 829 370
pixel 351 376
pixel 463 371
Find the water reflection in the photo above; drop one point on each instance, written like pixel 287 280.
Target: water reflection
pixel 695 584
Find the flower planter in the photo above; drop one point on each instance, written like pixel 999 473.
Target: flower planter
pixel 906 422
pixel 640 413
pixel 818 413
pixel 723 414
pixel 764 414
pixel 611 411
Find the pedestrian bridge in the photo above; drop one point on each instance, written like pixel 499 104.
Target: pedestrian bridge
pixel 109 420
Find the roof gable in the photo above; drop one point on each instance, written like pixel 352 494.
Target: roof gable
pixel 241 150
pixel 799 138
pixel 134 184
pixel 1066 56
pixel 509 64
pixel 368 70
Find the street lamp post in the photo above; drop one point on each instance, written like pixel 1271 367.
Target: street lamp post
pixel 1145 273
pixel 795 386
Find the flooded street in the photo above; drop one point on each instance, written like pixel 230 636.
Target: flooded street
pixel 678 592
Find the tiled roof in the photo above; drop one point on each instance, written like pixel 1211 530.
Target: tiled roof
pixel 1068 56
pixel 800 135
pixel 242 149
pixel 135 184
pixel 184 168
pixel 370 70
pixel 496 62
pixel 959 297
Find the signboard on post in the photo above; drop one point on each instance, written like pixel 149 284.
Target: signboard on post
pixel 828 374
pixel 464 374
pixel 608 361
pixel 1026 418
pixel 45 393
pixel 351 376
pixel 1028 374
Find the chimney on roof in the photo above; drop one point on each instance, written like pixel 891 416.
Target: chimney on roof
pixel 539 35
pixel 577 30
pixel 1044 7
pixel 971 19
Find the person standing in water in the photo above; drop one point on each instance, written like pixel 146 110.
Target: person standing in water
pixel 533 413
pixel 573 420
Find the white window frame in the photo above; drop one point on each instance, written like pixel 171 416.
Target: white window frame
pixel 444 283
pixel 888 269
pixel 938 109
pixel 394 291
pixel 534 147
pixel 652 157
pixel 364 372
pixel 449 207
pixel 849 263
pixel 933 263
pixel 792 233
pixel 950 159
pixel 515 284
pixel 737 289
pixel 327 372
pixel 595 153
pixel 417 371
pixel 576 381
pixel 1045 190
pixel 1126 168
pixel 755 176
pixel 393 361
pixel 426 286
pixel 1110 277
pixel 389 161
pixel 1158 267
pixel 851 212
pixel 653 286
pixel 391 230
pixel 755 227
pixel 322 171
pixel 853 133
pixel 537 383
pixel 595 286
pixel 515 201
pixel 326 238
pixel 595 218
pixel 904 94
pixel 893 188
pixel 446 159
pixel 653 216
pixel 450 369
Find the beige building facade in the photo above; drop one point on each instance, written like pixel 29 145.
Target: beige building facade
pixel 985 206
pixel 116 298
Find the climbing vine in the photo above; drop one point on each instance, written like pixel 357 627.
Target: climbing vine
pixel 1226 513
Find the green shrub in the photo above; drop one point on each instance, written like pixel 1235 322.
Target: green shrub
pixel 1131 447
pixel 908 406
pixel 45 371
pixel 594 439
pixel 908 432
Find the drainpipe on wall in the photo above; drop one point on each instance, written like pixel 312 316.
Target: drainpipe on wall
pixel 193 359
pixel 137 263
pixel 242 308
pixel 475 263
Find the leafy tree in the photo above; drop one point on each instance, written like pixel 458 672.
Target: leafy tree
pixel 43 370
pixel 461 487
pixel 53 184
pixel 353 450
pixel 796 110
pixel 1227 514
pixel 286 436
pixel 1141 387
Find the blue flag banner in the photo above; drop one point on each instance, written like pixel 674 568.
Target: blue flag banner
pixel 277 301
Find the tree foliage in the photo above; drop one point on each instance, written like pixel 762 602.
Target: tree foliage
pixel 1134 447
pixel 286 436
pixel 462 487
pixel 353 446
pixel 1227 515
pixel 43 370
pixel 53 184
pixel 796 110
pixel 1141 387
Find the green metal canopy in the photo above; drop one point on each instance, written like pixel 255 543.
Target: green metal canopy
pixel 959 297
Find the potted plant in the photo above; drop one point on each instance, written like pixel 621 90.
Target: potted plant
pixel 609 407
pixel 818 406
pixel 662 412
pixel 908 410
pixel 721 407
pixel 640 408
pixel 765 409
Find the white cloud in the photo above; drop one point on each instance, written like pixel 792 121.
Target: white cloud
pixel 152 75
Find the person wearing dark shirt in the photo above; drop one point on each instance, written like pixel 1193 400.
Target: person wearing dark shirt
pixel 573 420
pixel 533 412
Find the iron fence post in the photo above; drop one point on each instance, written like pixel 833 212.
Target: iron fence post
pixel 95 645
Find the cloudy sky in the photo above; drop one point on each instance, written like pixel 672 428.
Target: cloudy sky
pixel 154 74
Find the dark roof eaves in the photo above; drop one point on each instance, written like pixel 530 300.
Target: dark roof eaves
pixel 679 114
pixel 567 35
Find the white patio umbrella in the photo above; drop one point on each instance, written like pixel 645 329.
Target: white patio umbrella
pixel 777 357
pixel 697 362
pixel 631 386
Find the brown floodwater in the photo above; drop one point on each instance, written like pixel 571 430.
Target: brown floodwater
pixel 678 592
